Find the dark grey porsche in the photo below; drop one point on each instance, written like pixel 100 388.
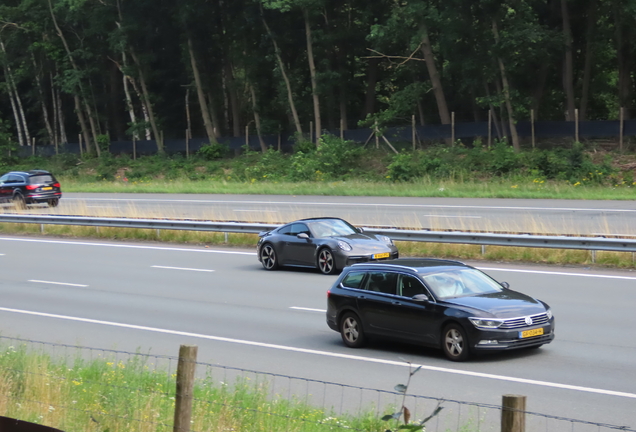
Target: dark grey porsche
pixel 329 244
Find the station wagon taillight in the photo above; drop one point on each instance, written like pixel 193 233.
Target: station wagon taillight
pixel 57 185
pixel 32 187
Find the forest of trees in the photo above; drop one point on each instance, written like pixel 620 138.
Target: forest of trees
pixel 153 69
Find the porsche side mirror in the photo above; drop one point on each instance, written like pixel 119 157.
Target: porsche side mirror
pixel 420 297
pixel 506 285
pixel 303 236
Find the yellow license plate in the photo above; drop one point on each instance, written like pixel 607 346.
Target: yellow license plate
pixel 382 255
pixel 530 333
pixel 47 188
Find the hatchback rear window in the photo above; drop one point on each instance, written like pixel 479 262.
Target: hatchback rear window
pixel 40 179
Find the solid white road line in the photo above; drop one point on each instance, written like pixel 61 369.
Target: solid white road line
pixel 58 283
pixel 559 273
pixel 253 253
pixel 307 309
pixel 348 204
pixel 328 354
pixel 125 246
pixel 181 268
pixel 457 217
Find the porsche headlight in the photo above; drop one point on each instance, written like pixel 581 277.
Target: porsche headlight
pixel 484 323
pixel 344 246
pixel 385 239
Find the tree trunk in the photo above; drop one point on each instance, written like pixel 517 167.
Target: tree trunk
pixel 506 92
pixel 45 113
pixel 207 122
pixel 129 102
pixel 624 55
pixel 540 86
pixel 16 95
pixel 78 105
pixel 438 91
pixel 146 101
pixel 233 98
pixel 281 65
pixel 568 66
pixel 257 118
pixel 372 79
pixel 314 82
pixel 589 54
pixel 16 114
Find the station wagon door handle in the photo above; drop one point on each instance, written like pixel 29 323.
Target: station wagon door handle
pixel 397 303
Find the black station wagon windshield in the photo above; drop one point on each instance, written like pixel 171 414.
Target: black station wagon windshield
pixel 460 282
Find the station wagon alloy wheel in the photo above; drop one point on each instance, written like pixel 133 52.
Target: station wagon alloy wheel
pixel 455 343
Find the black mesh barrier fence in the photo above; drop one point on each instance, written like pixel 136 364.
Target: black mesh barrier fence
pixel 542 130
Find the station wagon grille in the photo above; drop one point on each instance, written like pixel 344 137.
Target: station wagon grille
pixel 538 319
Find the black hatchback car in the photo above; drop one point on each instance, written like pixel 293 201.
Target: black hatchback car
pixel 30 187
pixel 437 303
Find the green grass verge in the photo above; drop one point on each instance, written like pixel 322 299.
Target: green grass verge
pixel 491 188
pixel 106 394
pixel 407 249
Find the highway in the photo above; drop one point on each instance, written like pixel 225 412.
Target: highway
pixel 493 215
pixel 154 297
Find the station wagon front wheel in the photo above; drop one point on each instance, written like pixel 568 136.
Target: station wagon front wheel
pixel 455 343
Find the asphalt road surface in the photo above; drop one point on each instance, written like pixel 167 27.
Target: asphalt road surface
pixel 153 297
pixel 492 215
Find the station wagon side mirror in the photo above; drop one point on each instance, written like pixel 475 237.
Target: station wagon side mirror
pixel 360 230
pixel 420 297
pixel 506 285
pixel 302 236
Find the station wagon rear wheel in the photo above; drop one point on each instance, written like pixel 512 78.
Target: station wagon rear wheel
pixel 19 202
pixel 455 343
pixel 351 331
pixel 53 202
pixel 269 259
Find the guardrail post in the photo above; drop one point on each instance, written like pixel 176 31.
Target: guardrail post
pixel 593 257
pixel 185 386
pixel 513 415
pixel 483 249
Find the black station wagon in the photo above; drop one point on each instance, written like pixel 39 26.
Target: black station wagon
pixel 30 187
pixel 437 303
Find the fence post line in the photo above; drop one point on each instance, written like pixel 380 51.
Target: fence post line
pixel 375 131
pixel 489 127
pixel 33 146
pixel 311 131
pixel 622 128
pixel 532 126
pixel 413 130
pixel 134 149
pixel 576 124
pixel 185 386
pixel 247 136
pixel 453 129
pixel 513 415
pixel 278 141
pixel 341 128
pixel 187 143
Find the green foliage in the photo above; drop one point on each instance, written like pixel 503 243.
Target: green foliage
pixel 333 159
pixel 213 151
pixel 8 147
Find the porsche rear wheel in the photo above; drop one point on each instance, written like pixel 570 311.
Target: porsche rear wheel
pixel 269 259
pixel 326 262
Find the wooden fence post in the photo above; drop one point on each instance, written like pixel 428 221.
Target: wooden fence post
pixel 342 129
pixel 489 127
pixel 311 131
pixel 622 129
pixel 377 138
pixel 247 137
pixel 187 143
pixel 453 129
pixel 80 144
pixel 532 126
pixel 576 124
pixel 513 415
pixel 134 149
pixel 413 130
pixel 33 146
pixel 185 386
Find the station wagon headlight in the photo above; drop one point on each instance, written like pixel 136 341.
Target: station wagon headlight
pixel 344 246
pixel 483 323
pixel 549 313
pixel 386 239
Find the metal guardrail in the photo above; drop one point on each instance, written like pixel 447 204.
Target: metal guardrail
pixel 489 239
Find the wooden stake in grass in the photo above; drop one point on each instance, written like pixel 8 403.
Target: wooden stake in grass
pixel 185 386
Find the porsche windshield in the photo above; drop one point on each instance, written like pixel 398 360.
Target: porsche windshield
pixel 331 228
